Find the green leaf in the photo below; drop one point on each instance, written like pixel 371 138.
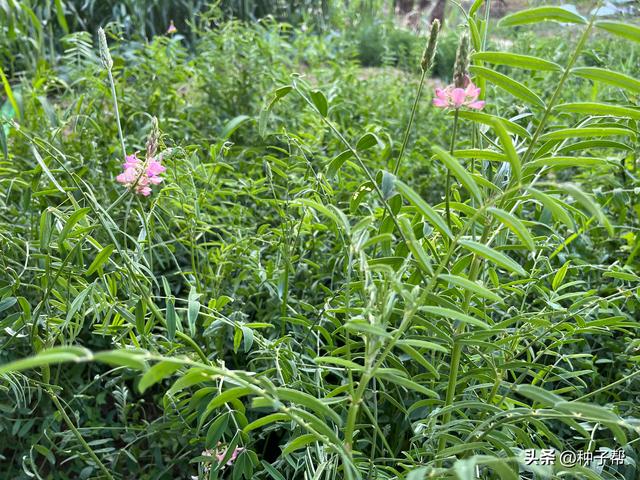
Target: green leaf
pixel 425 209
pixel 588 411
pixel 455 315
pixel 489 155
pixel 587 132
pixel 136 360
pixel 607 76
pixel 515 225
pixel 100 259
pixel 320 102
pixel 563 162
pixel 459 172
pixel 508 84
pixel 171 319
pixel 494 256
pixel 266 420
pixel 298 443
pixel 415 246
pixel 193 310
pixel 342 362
pixel 217 428
pixel 621 29
pixel 471 286
pixel 589 144
pixel 158 372
pixel 232 125
pixel 514 60
pixel 337 163
pixel 225 397
pixel 559 213
pixel 540 395
pixel 488 119
pixel 71 222
pixel 474 8
pixel 77 303
pixel 508 148
pixel 541 14
pixel 395 376
pixel 47 357
pixel 62 21
pixel 9 92
pixel 416 343
pixel 7 303
pixel 46 170
pixel 367 141
pixel 587 202
pixel 593 108
pixel 272 471
pixel 306 400
pixel 558 278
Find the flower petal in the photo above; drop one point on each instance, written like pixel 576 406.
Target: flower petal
pixel 440 103
pixel 458 96
pixel 477 105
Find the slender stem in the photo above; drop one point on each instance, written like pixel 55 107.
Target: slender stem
pixel 407 131
pixel 117 111
pixel 456 353
pixel 447 186
pixel 78 435
pixel 558 90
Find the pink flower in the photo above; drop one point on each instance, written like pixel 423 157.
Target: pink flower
pixel 221 452
pixel 172 28
pixel 140 175
pixel 455 97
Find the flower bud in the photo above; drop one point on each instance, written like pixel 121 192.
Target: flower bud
pixel 430 50
pixel 105 56
pixel 460 73
pixel 152 141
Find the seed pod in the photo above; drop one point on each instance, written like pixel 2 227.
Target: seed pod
pixel 430 50
pixel 105 56
pixel 460 71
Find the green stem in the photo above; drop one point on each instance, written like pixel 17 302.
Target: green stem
pixel 78 435
pixel 117 111
pixel 407 131
pixel 447 187
pixel 456 354
pixel 558 90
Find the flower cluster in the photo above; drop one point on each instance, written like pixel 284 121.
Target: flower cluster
pixel 454 97
pixel 219 453
pixel 139 175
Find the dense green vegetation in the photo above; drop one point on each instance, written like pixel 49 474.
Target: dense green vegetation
pixel 335 279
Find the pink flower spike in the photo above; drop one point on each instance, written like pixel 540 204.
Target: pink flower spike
pixel 139 176
pixel 172 28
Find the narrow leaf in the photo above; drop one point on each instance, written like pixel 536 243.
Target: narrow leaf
pixel 508 84
pixel 541 14
pixel 459 172
pixel 515 225
pixel 494 256
pixel 514 60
